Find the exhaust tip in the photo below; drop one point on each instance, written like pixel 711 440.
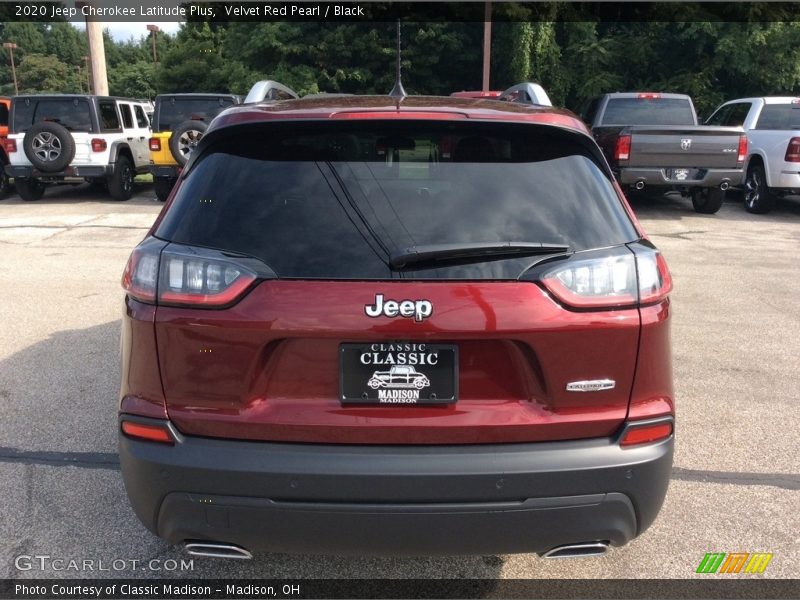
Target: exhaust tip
pixel 217 550
pixel 724 185
pixel 577 550
pixel 639 185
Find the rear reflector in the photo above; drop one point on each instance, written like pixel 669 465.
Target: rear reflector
pixel 155 144
pixel 646 434
pixel 152 433
pixel 99 145
pixel 793 150
pixel 622 151
pixel 10 146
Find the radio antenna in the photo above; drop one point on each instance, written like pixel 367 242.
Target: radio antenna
pixel 397 90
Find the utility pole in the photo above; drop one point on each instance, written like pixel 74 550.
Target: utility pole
pixel 487 43
pixel 11 46
pixel 154 29
pixel 97 51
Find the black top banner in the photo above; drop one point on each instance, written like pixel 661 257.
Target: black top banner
pixel 408 11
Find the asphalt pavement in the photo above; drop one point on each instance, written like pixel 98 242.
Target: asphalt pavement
pixel 736 340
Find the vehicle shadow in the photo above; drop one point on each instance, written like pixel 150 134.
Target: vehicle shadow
pixel 69 192
pixel 672 206
pixel 58 459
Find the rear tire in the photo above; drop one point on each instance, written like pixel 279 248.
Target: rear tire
pixel 163 186
pixel 120 184
pixel 757 197
pixel 29 189
pixel 5 181
pixel 707 201
pixel 49 146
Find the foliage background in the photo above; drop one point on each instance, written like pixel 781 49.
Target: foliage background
pixel 574 60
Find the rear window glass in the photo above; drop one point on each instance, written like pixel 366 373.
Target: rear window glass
pixel 779 116
pixel 648 111
pixel 3 115
pixel 174 111
pixel 336 204
pixel 72 113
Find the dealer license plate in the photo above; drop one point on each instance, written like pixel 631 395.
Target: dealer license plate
pixel 398 373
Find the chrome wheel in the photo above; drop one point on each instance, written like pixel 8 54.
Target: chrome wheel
pixel 127 179
pixel 188 141
pixel 752 188
pixel 46 146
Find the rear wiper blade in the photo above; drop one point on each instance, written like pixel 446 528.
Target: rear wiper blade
pixel 433 253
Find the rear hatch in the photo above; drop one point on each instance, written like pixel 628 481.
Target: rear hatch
pixel 73 113
pixel 172 111
pixel 346 283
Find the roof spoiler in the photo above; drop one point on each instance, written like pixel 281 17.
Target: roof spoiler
pixel 270 90
pixel 526 93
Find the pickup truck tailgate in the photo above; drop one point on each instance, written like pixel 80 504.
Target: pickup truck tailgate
pixel 694 147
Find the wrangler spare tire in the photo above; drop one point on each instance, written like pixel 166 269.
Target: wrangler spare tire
pixel 185 138
pixel 49 146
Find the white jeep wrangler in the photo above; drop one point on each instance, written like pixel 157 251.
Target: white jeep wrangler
pixel 70 138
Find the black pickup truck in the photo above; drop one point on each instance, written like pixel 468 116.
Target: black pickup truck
pixel 653 140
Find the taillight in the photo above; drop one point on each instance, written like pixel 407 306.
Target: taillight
pixel 655 280
pixel 649 96
pixel 623 149
pixel 194 280
pixel 181 276
pixel 99 145
pixel 614 281
pixel 155 144
pixel 793 150
pixel 646 433
pixel 742 153
pixel 141 274
pixel 10 146
pixel 151 433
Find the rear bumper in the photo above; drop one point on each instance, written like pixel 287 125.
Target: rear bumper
pixel 658 177
pixel 29 172
pixel 787 180
pixel 165 171
pixel 397 500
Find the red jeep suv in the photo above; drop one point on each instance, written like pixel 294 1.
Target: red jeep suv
pixel 339 338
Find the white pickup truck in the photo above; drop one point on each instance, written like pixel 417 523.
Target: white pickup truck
pixel 772 167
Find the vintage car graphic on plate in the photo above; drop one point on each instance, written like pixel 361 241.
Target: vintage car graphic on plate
pixel 399 377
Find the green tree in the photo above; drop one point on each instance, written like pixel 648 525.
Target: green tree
pixel 29 37
pixel 38 73
pixel 66 42
pixel 194 63
pixel 134 80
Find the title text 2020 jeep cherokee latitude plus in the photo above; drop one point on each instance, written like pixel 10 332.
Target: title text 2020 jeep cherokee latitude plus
pixel 311 246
